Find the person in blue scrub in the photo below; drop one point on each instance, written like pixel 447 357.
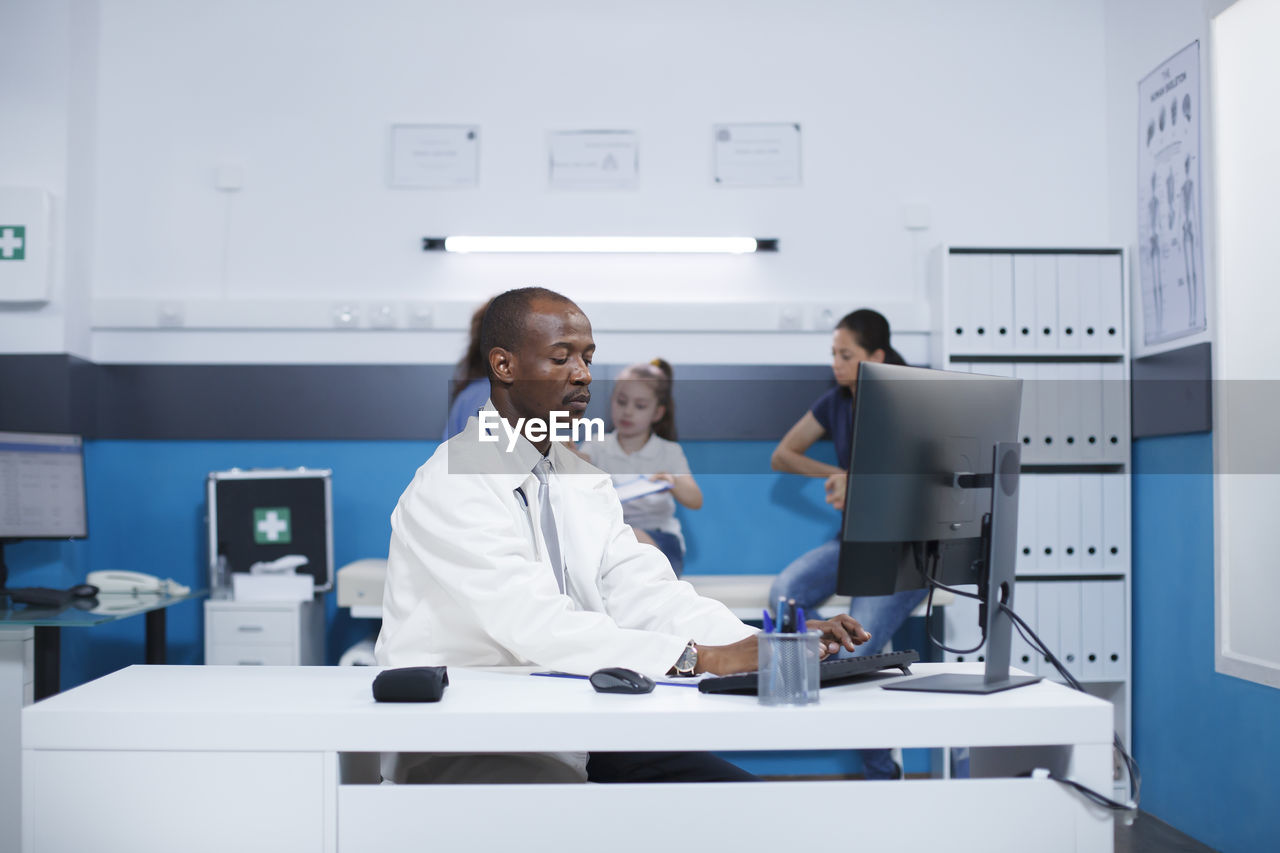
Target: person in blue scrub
pixel 470 386
pixel 811 579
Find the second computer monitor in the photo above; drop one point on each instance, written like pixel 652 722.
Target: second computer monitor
pixel 915 431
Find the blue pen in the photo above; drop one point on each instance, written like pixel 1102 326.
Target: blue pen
pixel 768 622
pixel 800 626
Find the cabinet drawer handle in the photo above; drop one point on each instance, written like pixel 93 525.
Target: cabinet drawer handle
pixel 249 663
pixel 250 629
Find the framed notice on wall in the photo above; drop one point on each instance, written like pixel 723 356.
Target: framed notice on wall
pixel 1170 225
pixel 757 155
pixel 435 156
pixel 594 159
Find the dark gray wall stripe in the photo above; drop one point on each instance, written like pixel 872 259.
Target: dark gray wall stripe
pixel 46 393
pixel 58 393
pixel 1173 392
pixel 271 401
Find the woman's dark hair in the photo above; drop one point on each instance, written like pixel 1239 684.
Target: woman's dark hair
pixel 658 374
pixel 473 364
pixel 871 332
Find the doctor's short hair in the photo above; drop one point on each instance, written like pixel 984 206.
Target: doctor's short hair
pixel 504 320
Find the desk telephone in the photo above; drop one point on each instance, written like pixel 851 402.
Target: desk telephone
pixel 135 582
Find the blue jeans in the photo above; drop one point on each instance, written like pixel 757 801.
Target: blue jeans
pixel 669 545
pixel 811 580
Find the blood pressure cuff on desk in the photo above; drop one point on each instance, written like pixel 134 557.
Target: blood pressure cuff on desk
pixel 411 684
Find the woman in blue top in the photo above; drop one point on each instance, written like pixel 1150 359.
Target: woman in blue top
pixel 470 385
pixel 811 578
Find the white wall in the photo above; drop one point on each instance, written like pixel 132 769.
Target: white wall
pixel 35 67
pixel 988 111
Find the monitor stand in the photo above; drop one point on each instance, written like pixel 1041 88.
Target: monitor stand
pixel 997 586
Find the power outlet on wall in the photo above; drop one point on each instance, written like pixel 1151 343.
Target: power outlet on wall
pixel 791 319
pixel 346 316
pixel 170 315
pixel 823 318
pixel 383 315
pixel 420 315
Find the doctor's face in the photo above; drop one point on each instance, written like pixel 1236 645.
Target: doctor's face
pixel 552 366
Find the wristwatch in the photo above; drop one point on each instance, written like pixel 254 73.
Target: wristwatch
pixel 688 660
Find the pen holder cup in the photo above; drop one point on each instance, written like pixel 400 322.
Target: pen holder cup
pixel 788 668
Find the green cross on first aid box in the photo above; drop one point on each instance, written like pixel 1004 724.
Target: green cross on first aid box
pixel 271 525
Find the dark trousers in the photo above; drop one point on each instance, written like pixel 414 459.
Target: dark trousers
pixel 663 767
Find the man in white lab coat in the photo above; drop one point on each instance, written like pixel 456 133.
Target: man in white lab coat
pixel 489 567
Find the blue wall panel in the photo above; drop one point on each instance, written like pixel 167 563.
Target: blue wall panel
pixel 1208 744
pixel 146 513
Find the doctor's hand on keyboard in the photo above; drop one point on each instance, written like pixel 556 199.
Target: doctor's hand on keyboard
pixel 843 630
pixel 742 656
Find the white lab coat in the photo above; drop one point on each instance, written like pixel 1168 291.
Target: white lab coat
pixel 469 582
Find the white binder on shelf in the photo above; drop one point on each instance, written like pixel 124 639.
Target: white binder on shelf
pixel 1069 332
pixel 1028 518
pixel 1115 616
pixel 1092 630
pixel 980 316
pixel 1048 622
pixel 960 304
pixel 1069 518
pixel 1115 523
pixel 1115 412
pixel 1069 411
pixel 1048 442
pixel 1092 338
pixel 1092 440
pixel 1024 604
pixel 1025 336
pixel 1002 303
pixel 1111 304
pixel 1028 429
pixel 1047 558
pixel 1091 544
pixel 1069 643
pixel 1046 330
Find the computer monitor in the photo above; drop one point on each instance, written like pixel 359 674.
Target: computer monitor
pixel 933 494
pixel 41 489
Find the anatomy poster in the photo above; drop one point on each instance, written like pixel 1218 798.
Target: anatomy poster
pixel 1170 226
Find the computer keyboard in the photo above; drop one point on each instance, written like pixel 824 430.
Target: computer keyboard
pixel 831 671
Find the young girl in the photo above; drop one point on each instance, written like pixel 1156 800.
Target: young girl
pixel 811 578
pixel 643 444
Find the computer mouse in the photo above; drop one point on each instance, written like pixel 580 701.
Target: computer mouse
pixel 83 590
pixel 618 679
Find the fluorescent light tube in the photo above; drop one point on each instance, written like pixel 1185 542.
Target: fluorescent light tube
pixel 646 245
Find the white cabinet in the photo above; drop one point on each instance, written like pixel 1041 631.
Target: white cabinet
pixel 1067 339
pixel 263 633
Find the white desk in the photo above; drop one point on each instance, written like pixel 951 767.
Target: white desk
pixel 231 758
pixel 30 660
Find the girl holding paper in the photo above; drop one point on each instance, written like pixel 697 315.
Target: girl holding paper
pixel 649 468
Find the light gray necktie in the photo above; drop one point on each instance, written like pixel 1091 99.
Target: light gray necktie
pixel 543 471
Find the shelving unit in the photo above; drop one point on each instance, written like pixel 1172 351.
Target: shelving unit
pixel 1058 320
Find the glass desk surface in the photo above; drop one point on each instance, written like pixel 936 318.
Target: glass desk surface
pixel 106 607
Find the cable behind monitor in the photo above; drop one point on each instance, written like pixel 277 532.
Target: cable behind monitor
pixel 1039 646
